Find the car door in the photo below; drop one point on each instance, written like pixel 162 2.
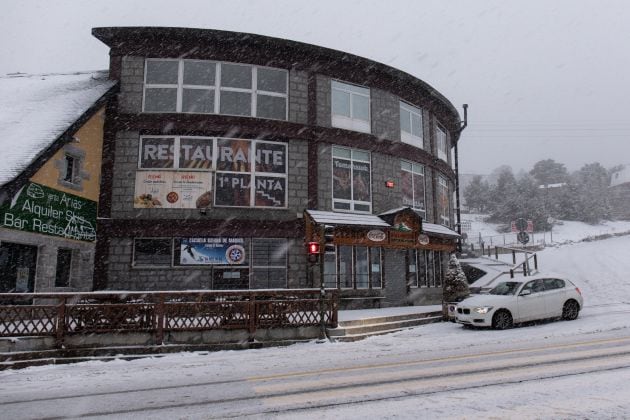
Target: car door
pixel 532 306
pixel 555 295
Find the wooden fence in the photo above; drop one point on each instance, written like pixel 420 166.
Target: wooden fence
pixel 63 314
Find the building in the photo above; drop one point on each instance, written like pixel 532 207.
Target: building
pixel 225 153
pixel 52 130
pixel 619 192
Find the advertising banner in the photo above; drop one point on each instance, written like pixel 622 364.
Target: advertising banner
pixel 175 190
pixel 212 251
pixel 39 209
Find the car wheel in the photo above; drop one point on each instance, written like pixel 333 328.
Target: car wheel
pixel 502 320
pixel 570 310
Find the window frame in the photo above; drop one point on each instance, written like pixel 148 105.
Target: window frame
pixel 413 166
pixel 253 174
pixel 134 262
pixel 441 142
pixel 409 137
pixel 443 212
pixel 352 203
pixel 333 279
pixel 64 269
pixel 216 89
pixel 351 122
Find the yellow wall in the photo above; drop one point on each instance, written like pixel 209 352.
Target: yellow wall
pixel 90 137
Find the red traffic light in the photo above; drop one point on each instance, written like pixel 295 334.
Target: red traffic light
pixel 313 247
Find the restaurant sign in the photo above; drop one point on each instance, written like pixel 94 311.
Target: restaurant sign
pixel 39 209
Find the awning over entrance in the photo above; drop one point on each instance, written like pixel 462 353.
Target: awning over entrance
pixel 397 228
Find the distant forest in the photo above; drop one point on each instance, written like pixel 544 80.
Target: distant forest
pixel 547 191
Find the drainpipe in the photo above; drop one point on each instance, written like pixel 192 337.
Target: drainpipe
pixel 457 206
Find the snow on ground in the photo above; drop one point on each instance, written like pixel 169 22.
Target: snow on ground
pixel 599 268
pixel 563 231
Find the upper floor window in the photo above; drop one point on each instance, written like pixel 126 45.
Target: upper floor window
pixel 442 144
pixel 351 178
pixel 412 184
pixel 350 107
pixel 443 202
pixel 247 173
pixel 71 174
pixel 411 125
pixel 208 87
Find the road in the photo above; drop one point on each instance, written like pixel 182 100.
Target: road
pixel 384 382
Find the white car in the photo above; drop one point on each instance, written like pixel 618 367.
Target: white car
pixel 512 302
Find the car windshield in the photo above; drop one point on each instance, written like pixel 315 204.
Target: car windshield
pixel 506 288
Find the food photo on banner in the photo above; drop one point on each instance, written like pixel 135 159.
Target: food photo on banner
pixel 212 251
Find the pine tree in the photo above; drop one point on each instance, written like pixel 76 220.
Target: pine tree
pixel 455 282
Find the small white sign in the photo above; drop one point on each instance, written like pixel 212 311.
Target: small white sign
pixel 376 235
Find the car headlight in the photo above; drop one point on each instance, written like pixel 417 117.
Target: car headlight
pixel 482 309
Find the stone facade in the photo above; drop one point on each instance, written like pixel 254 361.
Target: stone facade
pixel 310 139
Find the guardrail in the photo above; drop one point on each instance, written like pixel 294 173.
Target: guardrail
pixel 64 314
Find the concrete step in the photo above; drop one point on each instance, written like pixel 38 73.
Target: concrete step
pixel 382 329
pixel 388 318
pixel 359 329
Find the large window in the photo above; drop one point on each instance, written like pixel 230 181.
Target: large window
pixel 443 201
pixel 411 125
pixel 425 268
pixel 208 87
pixel 350 107
pixel 351 170
pixel 412 185
pixel 269 263
pixel 153 252
pixel 353 267
pixel 442 144
pixel 248 173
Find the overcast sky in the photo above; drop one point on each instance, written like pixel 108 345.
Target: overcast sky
pixel 543 78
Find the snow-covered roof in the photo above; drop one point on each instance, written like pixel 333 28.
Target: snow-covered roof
pixel 36 109
pixel 439 229
pixel 621 176
pixel 333 218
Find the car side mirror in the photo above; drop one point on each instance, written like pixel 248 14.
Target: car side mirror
pixel 526 292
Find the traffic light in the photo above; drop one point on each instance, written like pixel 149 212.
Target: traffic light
pixel 329 239
pixel 313 252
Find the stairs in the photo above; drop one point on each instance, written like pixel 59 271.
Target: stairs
pixel 354 330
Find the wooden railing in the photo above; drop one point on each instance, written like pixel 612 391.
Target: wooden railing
pixel 61 314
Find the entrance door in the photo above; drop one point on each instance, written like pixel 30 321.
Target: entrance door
pixel 17 267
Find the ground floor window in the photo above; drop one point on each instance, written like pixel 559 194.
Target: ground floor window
pixel 64 264
pixel 425 268
pixel 353 267
pixel 17 267
pixel 231 262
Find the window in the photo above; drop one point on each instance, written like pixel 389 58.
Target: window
pixel 351 173
pixel 417 270
pixel 249 173
pixel 153 252
pixel 269 263
pixel 443 201
pixel 64 263
pixel 353 267
pixel 442 144
pixel 209 87
pixel 411 125
pixel 412 185
pixel 350 107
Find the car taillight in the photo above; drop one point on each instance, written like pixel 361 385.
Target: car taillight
pixel 577 289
